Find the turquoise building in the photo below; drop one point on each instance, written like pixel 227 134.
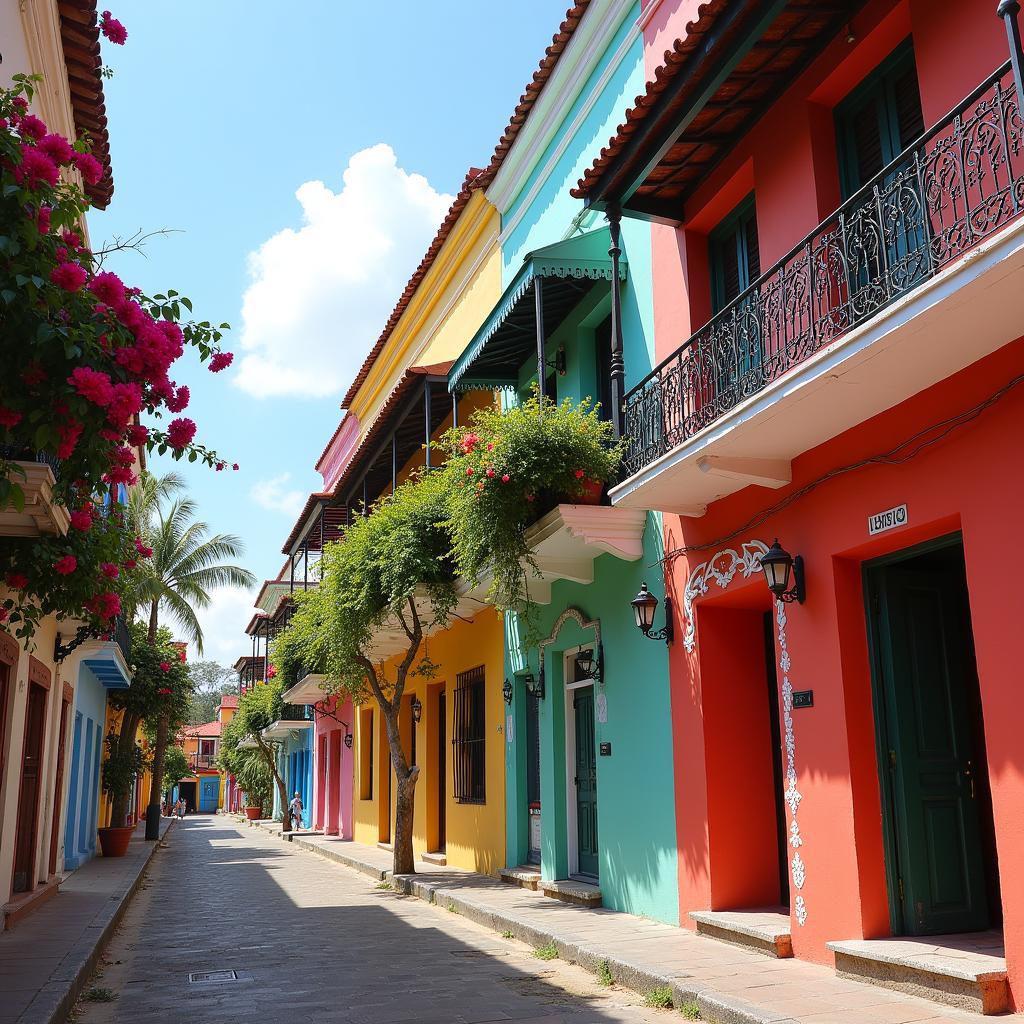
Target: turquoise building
pixel 589 783
pixel 293 734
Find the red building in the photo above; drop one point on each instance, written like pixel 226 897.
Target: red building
pixel 835 194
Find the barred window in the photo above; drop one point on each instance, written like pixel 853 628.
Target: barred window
pixel 468 737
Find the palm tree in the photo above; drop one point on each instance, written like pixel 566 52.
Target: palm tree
pixel 185 567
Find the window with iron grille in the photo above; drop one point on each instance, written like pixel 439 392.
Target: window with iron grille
pixel 468 737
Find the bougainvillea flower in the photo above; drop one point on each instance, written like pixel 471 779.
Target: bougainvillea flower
pixel 92 384
pixel 56 147
pixel 81 519
pixel 89 167
pixel 180 432
pixel 17 580
pixel 43 219
pixel 580 474
pixel 165 691
pixel 69 276
pixel 110 570
pixel 108 288
pixel 125 402
pixel 33 374
pixel 35 168
pixel 178 401
pixel 137 435
pixel 505 478
pixel 109 605
pixel 235 467
pixel 66 565
pixel 113 29
pixel 130 563
pixel 69 432
pixel 181 655
pixel 142 549
pixel 32 127
pixel 219 467
pixel 9 417
pixel 221 361
pixel 165 666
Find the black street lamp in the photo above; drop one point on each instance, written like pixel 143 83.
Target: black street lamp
pixel 780 567
pixel 506 692
pixel 644 606
pixel 417 709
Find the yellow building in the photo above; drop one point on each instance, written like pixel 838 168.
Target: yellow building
pixel 451 724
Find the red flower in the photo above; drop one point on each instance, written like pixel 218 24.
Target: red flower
pixel 234 466
pixel 113 29
pixel 69 276
pixel 490 473
pixel 32 126
pixel 69 432
pixel 137 434
pixel 3 614
pixel 66 565
pixel 109 570
pixel 130 563
pixel 469 442
pixel 33 374
pixel 108 605
pixel 89 167
pixel 9 418
pixel 221 361
pixel 271 672
pixel 580 474
pixel 505 478
pixel 165 691
pixel 219 467
pixel 181 655
pixel 529 497
pixel 142 549
pixel 43 219
pixel 17 580
pixel 178 402
pixel 57 148
pixel 35 167
pixel 165 666
pixel 469 471
pixel 108 288
pixel 81 519
pixel 180 433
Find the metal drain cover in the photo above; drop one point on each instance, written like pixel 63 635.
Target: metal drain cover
pixel 199 977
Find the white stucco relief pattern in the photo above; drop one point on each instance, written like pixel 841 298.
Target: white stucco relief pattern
pixel 721 569
pixel 793 797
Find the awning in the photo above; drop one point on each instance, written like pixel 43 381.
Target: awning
pixel 106 661
pixel 509 335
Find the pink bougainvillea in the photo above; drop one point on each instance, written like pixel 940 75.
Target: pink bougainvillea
pixel 112 29
pixel 180 432
pixel 66 565
pixel 221 361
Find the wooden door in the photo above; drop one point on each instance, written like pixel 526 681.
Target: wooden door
pixel 533 778
pixel 28 797
pixel 936 859
pixel 586 781
pixel 442 768
pixel 58 785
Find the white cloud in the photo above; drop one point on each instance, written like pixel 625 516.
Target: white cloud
pixel 274 495
pixel 223 621
pixel 320 294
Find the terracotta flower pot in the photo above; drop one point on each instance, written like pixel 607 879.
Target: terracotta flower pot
pixel 114 841
pixel 253 813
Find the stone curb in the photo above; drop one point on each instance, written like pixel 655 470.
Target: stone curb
pixel 715 1007
pixel 54 1002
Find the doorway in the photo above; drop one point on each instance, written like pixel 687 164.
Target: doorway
pixel 581 764
pixel 778 778
pixel 58 785
pixel 533 778
pixel 940 854
pixel 28 797
pixel 209 793
pixel 442 768
pixel 187 791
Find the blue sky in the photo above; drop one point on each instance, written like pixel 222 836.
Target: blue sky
pixel 220 113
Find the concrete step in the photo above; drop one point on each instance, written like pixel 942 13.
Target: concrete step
pixel 526 876
pixel 571 890
pixel 766 931
pixel 966 971
pixel 440 859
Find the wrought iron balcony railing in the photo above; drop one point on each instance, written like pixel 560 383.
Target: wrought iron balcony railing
pixel 202 761
pixel 19 453
pixel 296 713
pixel 959 182
pixel 120 635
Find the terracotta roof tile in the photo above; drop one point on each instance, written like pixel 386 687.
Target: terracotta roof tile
pixel 229 700
pixel 673 63
pixel 206 730
pixel 80 40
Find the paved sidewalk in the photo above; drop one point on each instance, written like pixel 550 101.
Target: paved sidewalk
pixel 47 958
pixel 731 985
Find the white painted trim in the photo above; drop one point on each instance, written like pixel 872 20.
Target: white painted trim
pixel 575 66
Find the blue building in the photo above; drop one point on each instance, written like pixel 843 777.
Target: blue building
pixel 294 739
pixel 104 665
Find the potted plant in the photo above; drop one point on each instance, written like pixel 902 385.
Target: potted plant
pixel 510 466
pixel 120 770
pixel 254 779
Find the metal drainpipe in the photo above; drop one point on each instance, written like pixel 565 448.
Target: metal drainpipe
pixel 617 367
pixel 1008 11
pixel 538 298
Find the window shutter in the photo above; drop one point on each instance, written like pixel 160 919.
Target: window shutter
pixel 469 742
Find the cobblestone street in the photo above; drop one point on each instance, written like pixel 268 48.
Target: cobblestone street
pixel 312 941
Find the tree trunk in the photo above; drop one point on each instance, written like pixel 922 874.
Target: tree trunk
pixel 403 862
pixel 154 621
pixel 126 738
pixel 156 787
pixel 282 789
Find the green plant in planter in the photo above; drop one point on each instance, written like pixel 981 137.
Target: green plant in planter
pixel 124 762
pixel 508 467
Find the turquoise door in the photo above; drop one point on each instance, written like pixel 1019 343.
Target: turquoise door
pixel 586 782
pixel 209 791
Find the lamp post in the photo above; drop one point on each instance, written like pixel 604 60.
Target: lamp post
pixel 644 606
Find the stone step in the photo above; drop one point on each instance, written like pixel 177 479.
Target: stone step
pixel 966 971
pixel 526 876
pixel 440 859
pixel 571 890
pixel 766 931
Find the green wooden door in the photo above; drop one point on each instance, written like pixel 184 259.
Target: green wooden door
pixel 936 863
pixel 586 781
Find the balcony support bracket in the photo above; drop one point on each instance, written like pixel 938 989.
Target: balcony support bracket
pixel 766 472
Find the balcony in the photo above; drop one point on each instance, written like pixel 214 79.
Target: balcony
pixel 876 304
pixel 201 762
pixel 308 689
pixel 36 475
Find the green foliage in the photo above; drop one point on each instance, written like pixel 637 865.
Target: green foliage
pixel 399 550
pixel 254 778
pixel 176 767
pixel 100 995
pixel 160 684
pixel 386 885
pixel 257 708
pixel 509 466
pixel 690 1011
pixel 122 765
pixel 549 951
pixel 604 974
pixel 507 934
pixel 660 997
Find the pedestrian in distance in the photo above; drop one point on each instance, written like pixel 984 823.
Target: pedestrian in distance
pixel 295 810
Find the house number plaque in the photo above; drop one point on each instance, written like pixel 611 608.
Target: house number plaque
pixel 803 699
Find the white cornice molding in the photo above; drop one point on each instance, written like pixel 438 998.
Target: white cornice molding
pixel 589 42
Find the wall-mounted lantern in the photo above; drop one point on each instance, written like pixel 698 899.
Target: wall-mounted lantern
pixel 784 574
pixel 348 740
pixel 417 709
pixel 506 691
pixel 534 684
pixel 644 607
pixel 589 664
